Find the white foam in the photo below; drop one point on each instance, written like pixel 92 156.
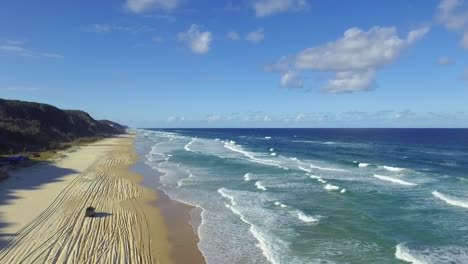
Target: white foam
pixel 455 201
pixel 267 249
pixel 272 149
pixel 304 169
pixel 363 165
pixel 273 154
pixel 260 186
pixel 233 147
pixel 326 169
pixel 393 169
pixel 307 218
pixel 343 191
pixel 404 254
pixel 247 176
pixel 187 146
pixel 330 187
pixel 321 180
pixel 432 255
pixel 394 180
pixel 280 205
pixel 183 181
pixel 267 137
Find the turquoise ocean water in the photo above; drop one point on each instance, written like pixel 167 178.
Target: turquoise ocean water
pixel 319 195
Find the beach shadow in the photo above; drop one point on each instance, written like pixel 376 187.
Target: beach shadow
pixel 26 178
pixel 102 215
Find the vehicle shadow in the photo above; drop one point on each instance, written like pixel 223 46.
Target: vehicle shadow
pixel 102 215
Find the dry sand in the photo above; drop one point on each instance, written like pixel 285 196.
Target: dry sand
pixel 42 210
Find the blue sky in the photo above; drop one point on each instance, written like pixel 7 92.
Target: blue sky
pixel 247 63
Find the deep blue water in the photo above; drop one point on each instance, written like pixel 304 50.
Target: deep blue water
pixel 319 195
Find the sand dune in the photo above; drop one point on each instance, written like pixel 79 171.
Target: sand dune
pixel 55 229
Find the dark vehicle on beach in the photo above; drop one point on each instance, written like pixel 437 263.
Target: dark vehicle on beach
pixel 90 212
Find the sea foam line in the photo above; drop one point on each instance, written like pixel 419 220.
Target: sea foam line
pixel 307 218
pixel 404 254
pixel 392 169
pixel 247 176
pixel 330 187
pixel 326 169
pixel 187 146
pixel 260 186
pixel 267 249
pixel 233 147
pixel 426 255
pixel 451 199
pixel 394 180
pixel 363 165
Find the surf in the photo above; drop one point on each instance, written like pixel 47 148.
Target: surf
pixel 455 201
pixel 394 180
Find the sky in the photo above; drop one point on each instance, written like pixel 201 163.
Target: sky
pixel 245 63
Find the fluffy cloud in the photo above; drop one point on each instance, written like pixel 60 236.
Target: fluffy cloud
pixel 354 58
pixel 141 6
pixel 256 36
pixel 265 8
pixel 232 35
pixel 291 79
pixel 453 14
pixel 197 40
pixel 351 81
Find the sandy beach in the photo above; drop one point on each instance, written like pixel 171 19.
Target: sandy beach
pixel 42 210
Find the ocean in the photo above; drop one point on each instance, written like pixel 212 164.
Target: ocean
pixel 318 195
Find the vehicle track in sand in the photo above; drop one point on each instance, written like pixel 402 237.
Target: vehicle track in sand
pixel 61 233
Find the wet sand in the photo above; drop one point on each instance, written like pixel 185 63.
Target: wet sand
pixel 177 217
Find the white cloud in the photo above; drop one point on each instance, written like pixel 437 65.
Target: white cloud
pixel 197 40
pixel 265 8
pixel 291 79
pixel 157 39
pixel 354 58
pixel 299 117
pixel 17 48
pixel 106 28
pixel 453 14
pixel 351 81
pixel 256 36
pixel 444 61
pixel 232 35
pixel 175 119
pixel 19 89
pixel 213 118
pixel 464 41
pixel 141 6
pixel 417 34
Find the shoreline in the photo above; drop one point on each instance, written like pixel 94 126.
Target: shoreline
pixel 177 215
pixel 42 210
